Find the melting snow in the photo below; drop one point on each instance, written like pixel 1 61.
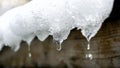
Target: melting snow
pixel 42 18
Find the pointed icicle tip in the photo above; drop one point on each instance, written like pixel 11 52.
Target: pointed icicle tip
pixel 59 48
pixel 59 44
pixel 29 39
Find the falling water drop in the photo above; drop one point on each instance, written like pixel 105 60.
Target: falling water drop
pixel 60 48
pixel 29 52
pixel 89 56
pixel 88 46
pixel 88 40
pixel 29 40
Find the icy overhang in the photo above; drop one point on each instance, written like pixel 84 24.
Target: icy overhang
pixel 57 18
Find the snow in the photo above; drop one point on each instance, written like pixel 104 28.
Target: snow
pixel 6 5
pixel 57 18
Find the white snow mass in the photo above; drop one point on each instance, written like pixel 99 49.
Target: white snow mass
pixel 42 18
pixel 6 5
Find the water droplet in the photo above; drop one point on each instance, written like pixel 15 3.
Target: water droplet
pixel 89 56
pixel 88 37
pixel 88 46
pixel 29 52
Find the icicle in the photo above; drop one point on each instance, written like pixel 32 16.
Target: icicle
pixel 17 25
pixel 59 44
pixel 42 35
pixel 60 48
pixel 29 38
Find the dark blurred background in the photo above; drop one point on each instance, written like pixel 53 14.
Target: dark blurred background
pixel 115 14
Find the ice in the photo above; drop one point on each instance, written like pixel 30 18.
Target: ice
pixel 59 44
pixel 8 38
pixel 57 18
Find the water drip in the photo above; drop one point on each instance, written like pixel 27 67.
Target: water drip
pixel 88 40
pixel 89 56
pixel 29 52
pixel 58 43
pixel 88 37
pixel 59 48
pixel 88 46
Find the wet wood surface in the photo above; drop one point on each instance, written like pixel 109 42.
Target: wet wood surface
pixel 104 51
